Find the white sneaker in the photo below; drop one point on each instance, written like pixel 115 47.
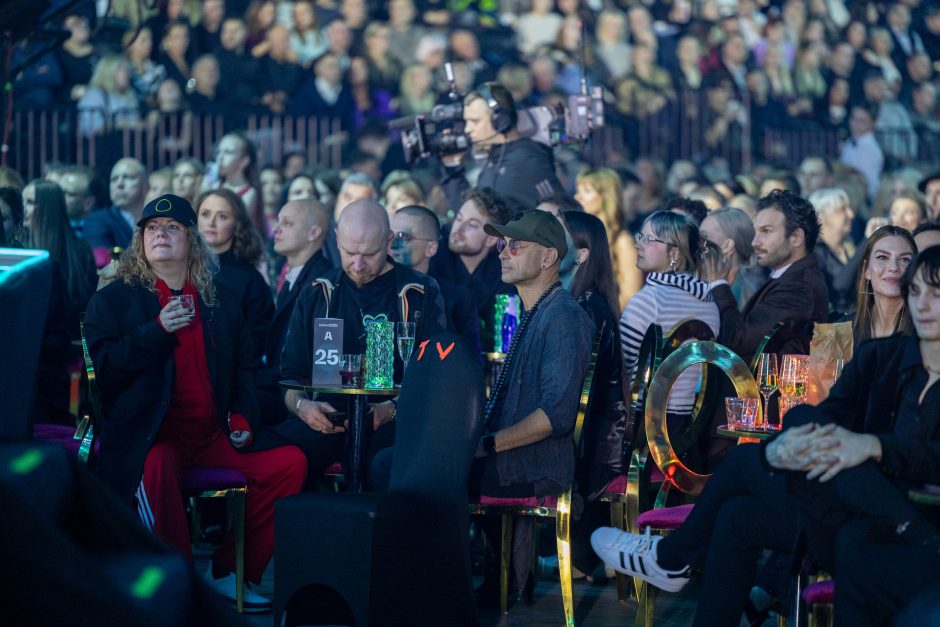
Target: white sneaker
pixel 635 555
pixel 253 603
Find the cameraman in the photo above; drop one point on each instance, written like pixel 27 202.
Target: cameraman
pixel 516 167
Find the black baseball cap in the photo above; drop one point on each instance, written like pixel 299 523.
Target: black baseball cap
pixel 533 225
pixel 169 206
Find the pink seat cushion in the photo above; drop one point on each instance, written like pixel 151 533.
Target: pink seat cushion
pixel 666 518
pixel 203 479
pixel 820 593
pixel 57 434
pixel 532 501
pixel 335 469
pixel 617 485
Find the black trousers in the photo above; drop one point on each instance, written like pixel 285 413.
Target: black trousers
pixel 742 511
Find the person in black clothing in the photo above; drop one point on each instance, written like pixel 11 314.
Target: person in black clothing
pixel 841 470
pixel 224 223
pixel 596 291
pixel 234 62
pixel 326 94
pixel 298 236
pixel 207 33
pixel 517 168
pixel 416 239
pixel 470 258
pixel 369 283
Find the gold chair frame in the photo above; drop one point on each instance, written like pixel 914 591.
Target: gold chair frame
pixel 561 512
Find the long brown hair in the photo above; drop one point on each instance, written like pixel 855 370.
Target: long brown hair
pixel 597 272
pixel 863 325
pixel 247 244
pixel 134 268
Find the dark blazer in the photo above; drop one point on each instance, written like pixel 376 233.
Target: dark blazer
pixel 800 293
pixel 462 315
pixel 252 293
pixel 867 398
pixel 133 359
pixel 107 228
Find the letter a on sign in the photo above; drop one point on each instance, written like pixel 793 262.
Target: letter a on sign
pixel 328 336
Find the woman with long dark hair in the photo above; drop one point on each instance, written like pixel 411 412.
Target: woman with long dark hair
pixel 224 223
pixel 50 230
pixel 595 289
pixel 880 310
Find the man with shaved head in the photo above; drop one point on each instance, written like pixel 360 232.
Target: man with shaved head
pixel 114 226
pixel 301 228
pixel 368 283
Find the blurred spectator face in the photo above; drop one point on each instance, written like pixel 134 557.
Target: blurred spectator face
pixel 899 17
pixel 812 175
pixel 543 74
pixel 590 199
pixel 642 58
pixel 837 219
pixel 541 7
pixel 358 71
pixel 467 236
pixel 169 96
pixel 354 12
pixel 174 9
pixel 932 193
pixel 814 32
pixel 206 74
pixel 464 45
pixel 78 27
pixel 881 43
pixel 568 7
pixel 127 185
pixel 610 27
pixel 401 13
pixel 857 35
pixel 933 21
pixel 378 42
pixel 230 157
pixel 328 69
pixel 479 123
pixel 295 164
pixel 279 39
pixel 680 172
pixel 212 13
pixel 860 122
pixel 839 93
pixel 719 96
pixel 78 202
pixel 416 245
pixel 176 41
pixel 293 231
pixel 216 222
pixel 301 188
pixel 29 205
pixel 925 99
pixel 267 13
pixel 142 46
pixel 570 35
pixel 349 193
pixel 734 50
pixel 689 51
pixel 842 60
pixel 773 59
pixel 339 36
pixel 186 181
pixel 640 22
pixel 918 67
pixel 233 34
pixel 271 183
pixel 158 183
pixel 303 16
pixel 906 213
pixel 396 198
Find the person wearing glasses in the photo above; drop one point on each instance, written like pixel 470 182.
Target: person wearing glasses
pixel 526 449
pixel 668 249
pixel 416 234
pixel 368 283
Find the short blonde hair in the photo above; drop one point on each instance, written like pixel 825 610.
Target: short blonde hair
pixel 105 69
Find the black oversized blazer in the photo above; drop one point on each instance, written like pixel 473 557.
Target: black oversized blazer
pixel 133 359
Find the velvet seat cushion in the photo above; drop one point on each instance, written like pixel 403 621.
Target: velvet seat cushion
pixel 203 479
pixel 665 518
pixel 820 593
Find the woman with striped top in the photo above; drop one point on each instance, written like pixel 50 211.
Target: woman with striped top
pixel 667 249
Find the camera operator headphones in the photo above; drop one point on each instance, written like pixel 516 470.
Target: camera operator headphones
pixel 501 119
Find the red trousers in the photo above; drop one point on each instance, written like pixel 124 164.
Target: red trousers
pixel 272 474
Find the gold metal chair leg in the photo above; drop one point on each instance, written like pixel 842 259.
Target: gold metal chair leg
pixel 563 542
pixel 646 604
pixel 782 621
pixel 236 511
pixel 618 519
pixel 504 558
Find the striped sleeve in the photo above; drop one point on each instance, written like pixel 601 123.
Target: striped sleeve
pixel 640 313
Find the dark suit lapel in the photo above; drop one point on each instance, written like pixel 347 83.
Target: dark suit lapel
pixel 122 227
pixel 209 335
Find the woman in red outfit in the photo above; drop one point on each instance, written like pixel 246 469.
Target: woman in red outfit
pixel 177 389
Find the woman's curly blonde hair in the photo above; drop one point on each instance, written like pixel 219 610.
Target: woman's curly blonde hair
pixel 134 268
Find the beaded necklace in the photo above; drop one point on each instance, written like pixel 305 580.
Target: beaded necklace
pixel 496 393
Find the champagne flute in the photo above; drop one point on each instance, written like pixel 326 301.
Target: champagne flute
pixel 793 376
pixel 767 382
pixel 406 340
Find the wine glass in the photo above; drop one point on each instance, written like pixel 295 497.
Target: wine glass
pixel 406 340
pixel 767 381
pixel 793 376
pixel 349 367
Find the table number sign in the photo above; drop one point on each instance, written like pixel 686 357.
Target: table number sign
pixel 327 348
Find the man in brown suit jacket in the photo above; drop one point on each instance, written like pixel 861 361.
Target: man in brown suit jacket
pixel 785 231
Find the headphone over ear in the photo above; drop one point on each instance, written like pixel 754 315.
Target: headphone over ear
pixel 502 119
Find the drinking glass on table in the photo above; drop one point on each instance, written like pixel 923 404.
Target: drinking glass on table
pixel 767 381
pixel 792 381
pixel 349 367
pixel 406 340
